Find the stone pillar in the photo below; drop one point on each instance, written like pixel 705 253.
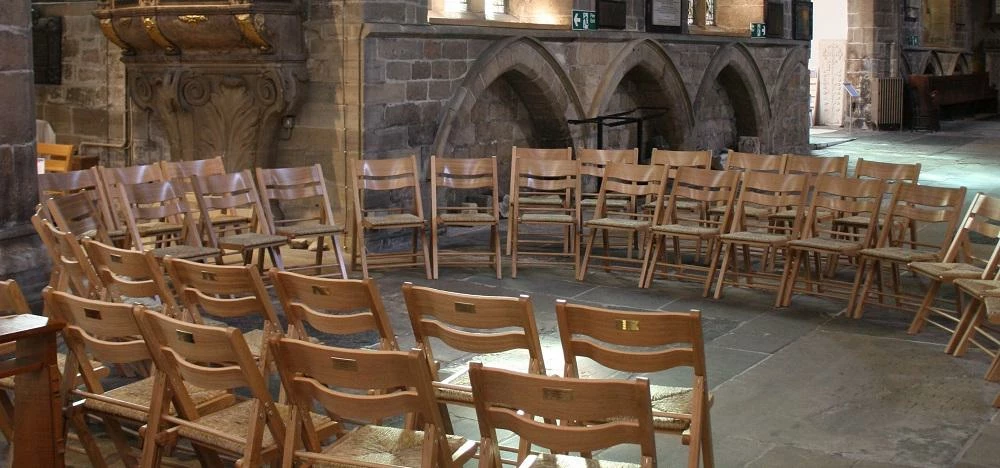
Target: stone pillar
pixel 20 255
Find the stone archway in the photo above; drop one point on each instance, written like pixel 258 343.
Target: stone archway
pixel 642 74
pixel 732 100
pixel 790 114
pixel 962 66
pixel 515 80
pixel 932 65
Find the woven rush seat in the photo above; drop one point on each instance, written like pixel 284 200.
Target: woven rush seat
pixel 140 393
pixel 548 460
pixel 383 446
pixel 393 219
pixel 623 223
pixel 251 240
pixel 993 309
pixel 546 218
pixel 686 230
pixel 751 211
pixel 685 205
pixel 229 219
pixel 466 217
pixel 547 200
pixel 751 236
pixel 946 269
pixel 236 420
pixel 308 230
pixel 152 229
pixel 979 287
pixel 825 243
pixel 900 254
pixel 185 251
pixel 610 203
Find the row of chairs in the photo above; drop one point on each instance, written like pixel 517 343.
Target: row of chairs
pixel 197 366
pixel 149 207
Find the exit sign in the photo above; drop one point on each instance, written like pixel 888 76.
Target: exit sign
pixel 584 20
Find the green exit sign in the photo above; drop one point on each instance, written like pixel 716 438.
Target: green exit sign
pixel 758 30
pixel 583 20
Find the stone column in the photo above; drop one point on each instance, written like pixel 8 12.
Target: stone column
pixel 20 255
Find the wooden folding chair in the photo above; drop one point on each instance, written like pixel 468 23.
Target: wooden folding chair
pixel 58 158
pixel 751 162
pixel 112 177
pixel 350 384
pixel 592 166
pixel 673 160
pixel 760 192
pixel 333 307
pixel 912 207
pixel 513 401
pixel 531 223
pixel 471 323
pixel 453 181
pixel 180 173
pixel 813 166
pixel 225 292
pixel 892 174
pixel 157 210
pixel 131 277
pixel 253 430
pixel 109 333
pixel 627 181
pixel 76 214
pixel 646 342
pixel 549 199
pixel 962 260
pixel 820 237
pixel 55 185
pixel 286 190
pixel 224 193
pixel 72 270
pixel 697 187
pixel 376 182
pixel 978 323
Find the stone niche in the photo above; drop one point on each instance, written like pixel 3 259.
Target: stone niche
pixel 220 76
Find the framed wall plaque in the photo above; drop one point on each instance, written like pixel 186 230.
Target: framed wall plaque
pixel 667 16
pixel 802 22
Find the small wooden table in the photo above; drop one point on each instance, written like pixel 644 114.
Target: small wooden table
pixel 38 432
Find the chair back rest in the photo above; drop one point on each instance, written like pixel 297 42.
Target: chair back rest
pixel 290 184
pixel 528 405
pixel 112 177
pixel 633 181
pixel 314 373
pixel 752 162
pixel 58 158
pixel 157 201
pixel 332 306
pixel 12 302
pixel 75 273
pixel 230 191
pixel 916 206
pixel 382 175
pixel 675 159
pixel 637 342
pixel 212 358
pixel 76 214
pixel 228 291
pixel 463 176
pixel 816 165
pixel 548 154
pixel 982 219
pixel 57 184
pixel 473 323
pixel 844 196
pixel 107 331
pixel 129 274
pixel 539 175
pixel 890 172
pixel 593 161
pixel 181 171
pixel 771 191
pixel 705 186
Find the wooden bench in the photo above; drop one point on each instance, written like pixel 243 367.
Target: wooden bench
pixel 58 158
pixel 950 96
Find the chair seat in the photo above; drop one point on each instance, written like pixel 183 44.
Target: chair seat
pixel 186 252
pixel 478 218
pixel 547 200
pixel 548 460
pixel 670 400
pixel 900 254
pixel 235 420
pixel 854 221
pixel 221 219
pixel 979 287
pixel 993 309
pixel 610 203
pixel 547 218
pixel 826 244
pixel 620 223
pixel 685 230
pixel 309 230
pixel 945 270
pixel 751 211
pixel 400 219
pixel 383 446
pixel 152 229
pixel 755 237
pixel 140 393
pixel 251 240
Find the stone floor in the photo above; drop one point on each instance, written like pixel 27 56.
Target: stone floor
pixel 801 386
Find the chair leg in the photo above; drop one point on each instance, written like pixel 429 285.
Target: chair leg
pixel 435 259
pixel 87 440
pixel 710 274
pixel 966 328
pixel 649 260
pixel 362 248
pixel 497 259
pixel 795 258
pixel 338 251
pixel 707 450
pixel 320 245
pixel 275 253
pixel 728 251
pixel 993 374
pixel 925 307
pixel 513 233
pixel 422 234
pixel 859 292
pixel 585 262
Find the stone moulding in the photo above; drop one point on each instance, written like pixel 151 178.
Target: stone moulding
pixel 219 77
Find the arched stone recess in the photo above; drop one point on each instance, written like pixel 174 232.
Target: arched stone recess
pixel 963 65
pixel 931 65
pixel 643 75
pixel 516 93
pixel 732 101
pixel 790 104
